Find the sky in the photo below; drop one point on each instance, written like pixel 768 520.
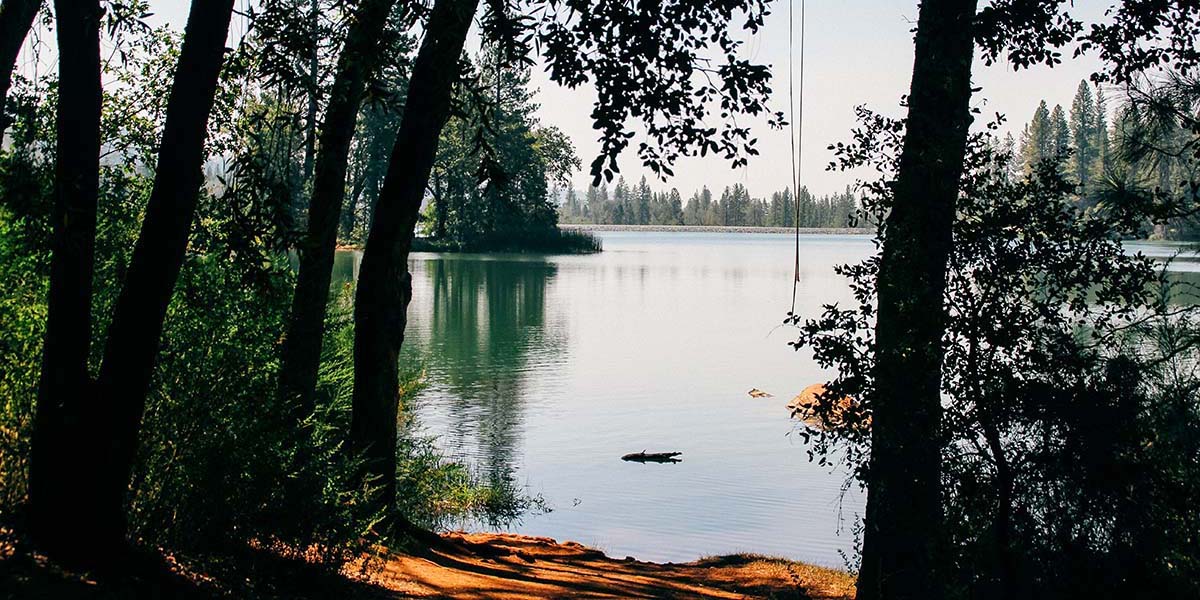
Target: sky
pixel 857 52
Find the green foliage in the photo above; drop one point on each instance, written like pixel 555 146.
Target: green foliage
pixel 440 493
pixel 490 185
pixel 23 314
pixel 218 462
pixel 218 466
pixel 1070 396
pixel 26 183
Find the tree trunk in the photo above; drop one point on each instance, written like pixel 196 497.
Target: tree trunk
pixel 1006 561
pixel 384 284
pixel 59 467
pixel 137 322
pixel 314 83
pixel 904 515
pixel 439 206
pixel 350 209
pixel 16 18
pixel 302 346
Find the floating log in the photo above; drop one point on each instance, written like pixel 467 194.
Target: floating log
pixel 757 393
pixel 658 457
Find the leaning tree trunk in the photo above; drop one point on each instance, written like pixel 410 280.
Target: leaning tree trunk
pixel 60 476
pixel 302 346
pixel 16 18
pixel 384 284
pixel 904 515
pixel 141 307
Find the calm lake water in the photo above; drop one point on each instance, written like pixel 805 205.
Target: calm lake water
pixel 549 368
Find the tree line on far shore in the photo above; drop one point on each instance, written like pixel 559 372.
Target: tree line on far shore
pixel 1092 148
pixel 640 205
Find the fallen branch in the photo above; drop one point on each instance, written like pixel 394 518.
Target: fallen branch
pixel 658 457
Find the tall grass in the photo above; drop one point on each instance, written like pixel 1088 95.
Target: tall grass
pixel 549 241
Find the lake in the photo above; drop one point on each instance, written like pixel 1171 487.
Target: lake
pixel 550 368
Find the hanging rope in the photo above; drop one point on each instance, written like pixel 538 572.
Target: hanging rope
pixel 796 133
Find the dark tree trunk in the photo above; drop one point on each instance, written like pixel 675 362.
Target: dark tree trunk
pixel 137 322
pixel 1006 561
pixel 302 346
pixel 439 206
pixel 314 67
pixel 16 18
pixel 350 210
pixel 904 515
pixel 60 476
pixel 384 284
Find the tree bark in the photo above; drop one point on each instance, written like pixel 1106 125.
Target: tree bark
pixel 141 307
pixel 350 209
pixel 384 284
pixel 302 346
pixel 59 463
pixel 904 515
pixel 16 18
pixel 1006 561
pixel 439 207
pixel 314 87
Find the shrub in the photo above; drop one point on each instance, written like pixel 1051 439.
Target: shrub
pixel 1070 394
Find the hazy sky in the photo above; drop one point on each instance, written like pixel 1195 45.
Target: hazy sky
pixel 858 52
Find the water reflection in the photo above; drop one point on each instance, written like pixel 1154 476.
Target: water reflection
pixel 477 324
pixel 482 325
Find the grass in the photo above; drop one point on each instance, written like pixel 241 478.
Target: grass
pixel 759 574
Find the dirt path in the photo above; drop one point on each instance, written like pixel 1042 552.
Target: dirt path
pixel 506 566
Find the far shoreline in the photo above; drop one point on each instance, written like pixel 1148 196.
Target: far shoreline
pixel 717 229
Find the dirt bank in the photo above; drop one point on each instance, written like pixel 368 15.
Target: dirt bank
pixel 472 566
pixel 512 566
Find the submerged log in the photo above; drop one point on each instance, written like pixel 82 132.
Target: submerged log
pixel 812 407
pixel 658 457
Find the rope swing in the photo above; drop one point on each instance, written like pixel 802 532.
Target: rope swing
pixel 796 133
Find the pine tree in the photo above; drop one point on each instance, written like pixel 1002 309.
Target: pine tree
pixel 572 204
pixel 1100 138
pixel 591 205
pixel 642 203
pixel 1060 133
pixel 621 203
pixel 1083 134
pixel 692 213
pixel 789 209
pixel 674 208
pixel 1035 139
pixel 1009 147
pixel 775 211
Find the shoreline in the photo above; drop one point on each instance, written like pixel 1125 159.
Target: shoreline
pixel 717 229
pixel 508 565
pixel 464 565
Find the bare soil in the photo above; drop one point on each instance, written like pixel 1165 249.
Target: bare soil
pixel 468 566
